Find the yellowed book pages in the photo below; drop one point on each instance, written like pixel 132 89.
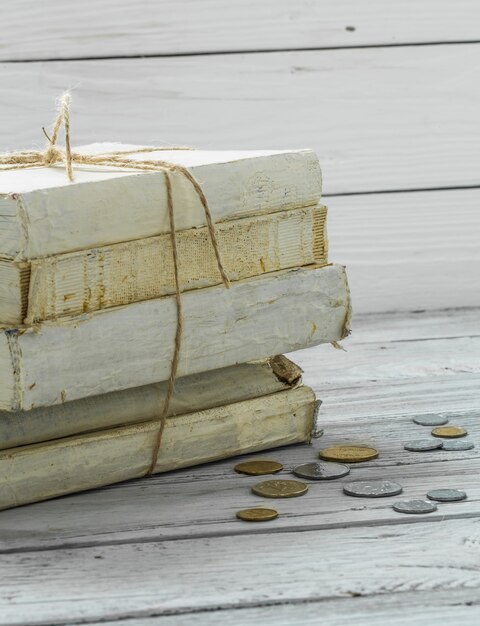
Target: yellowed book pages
pixel 101 278
pixel 42 471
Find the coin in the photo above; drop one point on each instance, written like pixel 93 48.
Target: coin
pixel 321 471
pixel 414 506
pixel 450 432
pixel 372 488
pixel 447 495
pixel 430 419
pixel 258 467
pixel 257 515
pixel 348 454
pixel 457 445
pixel 280 489
pixel 423 445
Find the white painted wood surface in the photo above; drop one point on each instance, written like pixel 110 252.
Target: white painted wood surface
pixel 140 579
pixel 408 251
pixel 402 609
pixel 55 29
pixel 183 523
pixel 380 118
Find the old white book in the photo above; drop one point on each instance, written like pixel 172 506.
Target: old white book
pixel 43 214
pixel 133 345
pixel 42 471
pixel 118 274
pixel 130 406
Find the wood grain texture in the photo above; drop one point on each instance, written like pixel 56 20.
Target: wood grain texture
pixel 119 28
pixel 159 578
pixel 380 119
pixel 408 251
pixel 399 609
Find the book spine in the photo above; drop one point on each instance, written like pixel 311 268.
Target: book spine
pixel 192 393
pixel 117 275
pixel 132 346
pixel 75 464
pixel 124 208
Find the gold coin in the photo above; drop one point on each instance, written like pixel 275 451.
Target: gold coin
pixel 258 467
pixel 449 432
pixel 348 454
pixel 280 489
pixel 257 515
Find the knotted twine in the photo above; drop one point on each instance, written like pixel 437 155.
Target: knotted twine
pixel 53 154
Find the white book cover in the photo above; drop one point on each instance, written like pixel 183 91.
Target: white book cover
pixel 133 345
pixel 44 214
pixel 41 471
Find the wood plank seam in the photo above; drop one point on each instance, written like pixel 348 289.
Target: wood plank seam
pixel 468 598
pixel 166 55
pixel 375 192
pixel 400 521
pixel 245 605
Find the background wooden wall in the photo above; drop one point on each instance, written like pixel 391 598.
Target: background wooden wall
pixel 388 93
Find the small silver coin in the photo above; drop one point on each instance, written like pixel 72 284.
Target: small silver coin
pixel 447 495
pixel 430 419
pixel 457 445
pixel 414 506
pixel 422 445
pixel 321 471
pixel 372 488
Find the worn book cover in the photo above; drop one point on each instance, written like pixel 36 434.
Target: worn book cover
pixel 44 214
pixel 133 345
pixel 42 471
pixel 197 392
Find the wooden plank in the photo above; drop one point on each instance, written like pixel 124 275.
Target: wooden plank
pixel 414 326
pixel 120 28
pixel 429 394
pixel 138 580
pixel 380 119
pixel 384 350
pixel 396 609
pixel 408 251
pixel 394 361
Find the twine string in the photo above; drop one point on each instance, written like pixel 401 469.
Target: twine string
pixel 53 155
pixel 178 331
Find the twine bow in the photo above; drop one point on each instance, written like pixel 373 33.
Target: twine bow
pixel 53 155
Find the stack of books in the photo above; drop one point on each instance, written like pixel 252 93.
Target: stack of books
pixel 88 315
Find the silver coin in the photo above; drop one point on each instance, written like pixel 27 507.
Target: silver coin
pixel 457 445
pixel 423 445
pixel 447 495
pixel 321 471
pixel 372 488
pixel 414 506
pixel 430 419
